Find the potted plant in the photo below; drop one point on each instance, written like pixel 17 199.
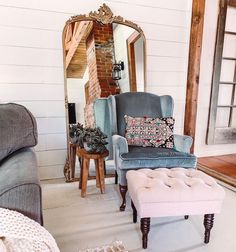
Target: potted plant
pixel 93 140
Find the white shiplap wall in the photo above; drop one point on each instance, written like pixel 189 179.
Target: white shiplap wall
pixel 31 69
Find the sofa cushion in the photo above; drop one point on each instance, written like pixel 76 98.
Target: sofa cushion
pixel 19 168
pixel 18 129
pixel 146 157
pixel 146 131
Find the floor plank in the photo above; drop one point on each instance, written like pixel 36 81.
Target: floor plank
pixel 221 167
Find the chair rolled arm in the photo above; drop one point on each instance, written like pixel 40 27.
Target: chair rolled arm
pixel 120 143
pixel 183 143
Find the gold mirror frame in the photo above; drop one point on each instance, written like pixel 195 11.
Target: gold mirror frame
pixel 103 15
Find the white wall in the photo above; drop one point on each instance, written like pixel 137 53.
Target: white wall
pixel 209 35
pixel 120 35
pixel 139 64
pixel 31 70
pixel 76 94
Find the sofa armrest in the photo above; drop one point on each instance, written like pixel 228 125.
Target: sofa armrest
pixel 183 143
pixel 120 144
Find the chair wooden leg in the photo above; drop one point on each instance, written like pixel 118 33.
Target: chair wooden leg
pixel 145 227
pixel 116 178
pixel 123 191
pixel 134 212
pixel 208 223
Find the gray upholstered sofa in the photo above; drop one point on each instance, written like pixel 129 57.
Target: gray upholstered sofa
pixel 19 183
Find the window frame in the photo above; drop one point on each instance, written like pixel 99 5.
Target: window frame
pixel 220 135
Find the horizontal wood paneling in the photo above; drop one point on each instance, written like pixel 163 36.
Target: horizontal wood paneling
pixel 36 92
pixel 181 5
pixel 31 71
pixel 45 108
pixel 164 48
pixel 71 7
pixel 30 56
pixel 159 78
pixel 11 16
pixel 51 157
pixel 25 37
pixel 159 16
pixel 51 125
pixel 51 171
pixel 51 142
pixel 156 63
pixel 178 93
pixel 166 33
pixel 30 74
pixel 55 21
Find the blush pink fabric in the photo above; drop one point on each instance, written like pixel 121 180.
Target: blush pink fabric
pixel 172 192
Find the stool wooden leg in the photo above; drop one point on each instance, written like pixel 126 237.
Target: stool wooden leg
pixel 101 174
pixel 134 212
pixel 97 173
pixel 186 217
pixel 123 191
pixel 81 172
pixel 145 227
pixel 73 160
pixel 208 223
pixel 104 165
pixel 85 176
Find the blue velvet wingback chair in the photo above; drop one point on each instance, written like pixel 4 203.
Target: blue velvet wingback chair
pixel 139 104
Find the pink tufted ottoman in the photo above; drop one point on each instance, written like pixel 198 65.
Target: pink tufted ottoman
pixel 172 192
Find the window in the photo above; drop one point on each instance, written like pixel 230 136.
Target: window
pixel 222 117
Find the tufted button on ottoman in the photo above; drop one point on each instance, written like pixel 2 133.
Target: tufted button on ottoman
pixel 172 192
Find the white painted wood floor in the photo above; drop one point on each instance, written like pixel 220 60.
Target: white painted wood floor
pixel 80 223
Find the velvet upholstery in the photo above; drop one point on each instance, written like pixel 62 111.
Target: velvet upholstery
pixel 137 104
pixel 102 120
pixel 141 104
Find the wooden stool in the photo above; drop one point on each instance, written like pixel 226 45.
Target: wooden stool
pixel 99 164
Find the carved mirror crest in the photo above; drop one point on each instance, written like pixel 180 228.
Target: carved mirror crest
pixel 103 55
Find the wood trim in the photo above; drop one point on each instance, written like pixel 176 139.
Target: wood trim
pixel 131 60
pixel 232 3
pixel 78 33
pixel 195 48
pixel 216 71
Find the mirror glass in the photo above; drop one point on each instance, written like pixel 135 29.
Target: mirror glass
pixel 100 60
pixel 103 55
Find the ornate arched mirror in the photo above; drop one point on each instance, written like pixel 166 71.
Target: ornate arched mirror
pixel 103 55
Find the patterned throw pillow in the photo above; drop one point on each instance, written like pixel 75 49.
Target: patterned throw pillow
pixel 155 132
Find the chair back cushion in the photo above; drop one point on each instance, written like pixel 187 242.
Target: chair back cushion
pixel 18 129
pixel 140 104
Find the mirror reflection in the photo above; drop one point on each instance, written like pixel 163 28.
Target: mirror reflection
pixel 100 60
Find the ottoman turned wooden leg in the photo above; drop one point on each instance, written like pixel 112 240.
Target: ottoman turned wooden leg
pixel 145 227
pixel 208 223
pixel 123 191
pixel 134 212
